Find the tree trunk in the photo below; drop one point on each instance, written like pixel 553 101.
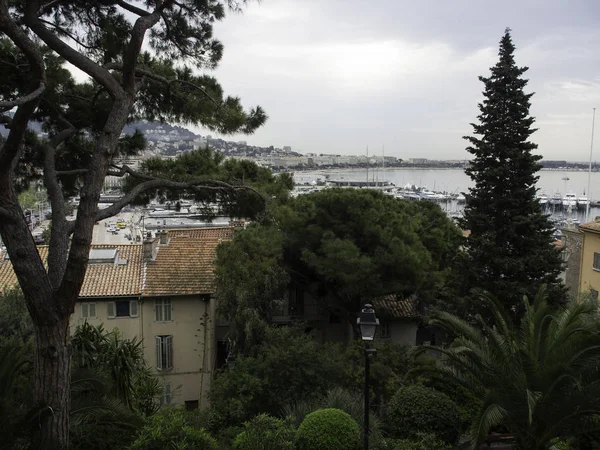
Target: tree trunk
pixel 52 380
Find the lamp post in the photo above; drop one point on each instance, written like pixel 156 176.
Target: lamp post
pixel 367 323
pixel 230 360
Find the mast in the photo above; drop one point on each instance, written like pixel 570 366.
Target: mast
pixel 382 161
pixel 589 196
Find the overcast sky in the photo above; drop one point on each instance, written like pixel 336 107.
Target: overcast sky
pixel 338 75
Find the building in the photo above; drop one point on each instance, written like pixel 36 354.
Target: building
pixel 572 239
pixel 589 267
pixel 160 291
pixel 400 320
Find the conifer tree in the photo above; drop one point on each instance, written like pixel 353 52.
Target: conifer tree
pixel 509 251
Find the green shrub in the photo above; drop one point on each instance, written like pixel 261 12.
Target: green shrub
pixel 170 429
pixel 425 441
pixel 265 432
pixel 418 409
pixel 329 429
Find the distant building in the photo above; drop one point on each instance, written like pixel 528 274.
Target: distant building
pixel 418 161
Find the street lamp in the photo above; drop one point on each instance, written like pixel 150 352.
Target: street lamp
pixel 230 360
pixel 367 323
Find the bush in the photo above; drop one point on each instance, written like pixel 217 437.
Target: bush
pixel 265 432
pixel 329 429
pixel 426 441
pixel 418 409
pixel 170 429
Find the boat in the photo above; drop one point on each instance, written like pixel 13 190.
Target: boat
pixel 583 201
pixel 460 198
pixel 570 199
pixel 556 199
pixel 542 198
pixel 160 212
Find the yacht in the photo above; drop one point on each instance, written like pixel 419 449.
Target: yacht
pixel 543 199
pixel 460 198
pixel 583 201
pixel 570 199
pixel 556 199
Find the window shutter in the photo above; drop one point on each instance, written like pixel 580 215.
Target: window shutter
pixel 159 365
pixel 169 352
pixel 92 309
pixel 110 306
pixel 167 310
pixel 158 310
pixel 133 308
pixel 84 310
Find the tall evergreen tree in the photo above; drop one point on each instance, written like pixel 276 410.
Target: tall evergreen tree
pixel 509 251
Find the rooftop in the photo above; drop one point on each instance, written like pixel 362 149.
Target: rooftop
pixel 110 278
pixel 593 226
pixel 186 264
pixel 393 307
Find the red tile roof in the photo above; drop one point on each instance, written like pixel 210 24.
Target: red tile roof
pixel 186 264
pixel 393 307
pixel 101 280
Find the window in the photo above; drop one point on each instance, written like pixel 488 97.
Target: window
pixel 88 310
pixel 596 261
pixel 384 331
pixel 122 308
pixel 191 405
pixel 163 310
pixel 164 352
pixel 594 294
pixel 167 395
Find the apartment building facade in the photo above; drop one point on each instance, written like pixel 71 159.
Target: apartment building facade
pixel 159 291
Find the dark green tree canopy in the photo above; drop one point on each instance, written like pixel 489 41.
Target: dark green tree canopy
pixel 509 251
pixel 342 246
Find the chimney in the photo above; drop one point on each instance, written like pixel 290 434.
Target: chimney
pixel 164 237
pixel 148 247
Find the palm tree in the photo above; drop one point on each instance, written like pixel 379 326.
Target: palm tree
pixel 540 380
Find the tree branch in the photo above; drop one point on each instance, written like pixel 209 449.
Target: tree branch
pixel 102 76
pixel 6 121
pixel 133 9
pixel 18 125
pixel 67 34
pixel 7 105
pixel 141 26
pixel 161 79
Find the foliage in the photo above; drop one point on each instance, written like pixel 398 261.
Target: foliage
pixel 264 432
pixel 170 429
pixel 15 394
pixel 209 164
pixel 419 409
pixel 539 380
pixel 328 428
pixel 249 270
pixel 287 365
pixel 99 420
pixel 350 402
pixel 508 251
pixel 15 323
pixel 133 383
pixel 424 441
pixel 468 404
pixel 336 245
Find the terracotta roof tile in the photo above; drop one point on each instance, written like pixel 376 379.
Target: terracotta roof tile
pixel 396 308
pixel 186 264
pixel 112 280
pixel 101 280
pixel 591 226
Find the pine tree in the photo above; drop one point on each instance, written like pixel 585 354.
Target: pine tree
pixel 509 251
